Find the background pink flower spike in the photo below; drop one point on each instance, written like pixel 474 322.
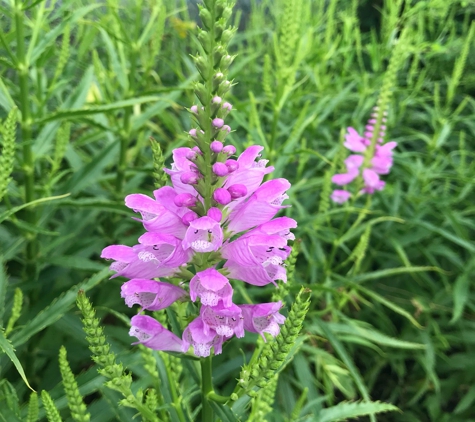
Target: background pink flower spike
pixel 153 335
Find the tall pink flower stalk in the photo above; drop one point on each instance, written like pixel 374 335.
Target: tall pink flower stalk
pixel 371 158
pixel 212 228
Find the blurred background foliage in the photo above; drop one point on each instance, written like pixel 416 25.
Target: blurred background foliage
pixel 393 306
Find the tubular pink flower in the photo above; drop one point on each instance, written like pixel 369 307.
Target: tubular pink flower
pixel 167 249
pixel 194 335
pixel 345 178
pixel 155 216
pixel 263 318
pixel 150 294
pixel 250 172
pixel 180 165
pixel 353 141
pixel 260 207
pixel 141 261
pixel 153 335
pixel 203 235
pixel 257 259
pixel 224 321
pixel 340 196
pixel 212 288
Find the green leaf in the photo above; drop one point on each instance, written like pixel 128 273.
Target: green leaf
pixel 461 291
pixel 224 412
pixel 7 347
pixel 345 357
pixel 56 310
pixel 56 31
pixel 3 289
pixel 345 410
pixel 93 109
pixel 10 212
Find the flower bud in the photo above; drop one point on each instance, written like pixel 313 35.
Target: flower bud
pixel 232 165
pixel 227 106
pixel 216 146
pixel 229 149
pixel 237 191
pixel 191 155
pixel 192 132
pixel 185 200
pixel 216 100
pixel 226 128
pixel 215 214
pixel 194 108
pixel 220 169
pixel 196 150
pixel 218 123
pixel 222 196
pixel 189 178
pixel 189 217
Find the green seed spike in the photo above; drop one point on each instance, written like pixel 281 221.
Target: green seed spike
pixel 62 140
pixel 75 401
pixel 32 408
pixel 52 413
pixel 7 154
pixel 16 311
pixel 119 379
pixel 160 177
pixel 262 403
pixel 275 352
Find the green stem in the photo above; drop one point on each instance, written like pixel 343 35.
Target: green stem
pixel 218 398
pixel 176 400
pixel 28 158
pixel 207 413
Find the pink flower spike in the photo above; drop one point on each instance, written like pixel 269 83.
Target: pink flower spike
pixel 185 200
pixel 220 169
pixel 263 318
pixel 203 235
pixel 232 165
pixel 218 123
pixel 153 335
pixel 222 196
pixel 215 214
pixel 237 191
pixel 212 288
pixel 150 294
pixel 340 196
pixel 216 146
pixel 225 321
pixel 189 217
pixel 229 149
pixel 202 343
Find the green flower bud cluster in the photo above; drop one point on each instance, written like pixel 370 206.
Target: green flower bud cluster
pixel 160 177
pixel 51 411
pixel 7 155
pixel 75 402
pixel 119 379
pixel 274 353
pixel 33 409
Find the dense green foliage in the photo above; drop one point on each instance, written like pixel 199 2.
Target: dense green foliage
pixel 392 311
